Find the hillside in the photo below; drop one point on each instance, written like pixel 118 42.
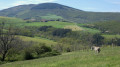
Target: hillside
pixel 53 11
pixel 109 57
pixel 10 20
pixel 111 27
pixel 72 40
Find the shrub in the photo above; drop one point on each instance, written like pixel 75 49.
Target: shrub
pixel 53 53
pixel 44 28
pixel 98 39
pixel 1 62
pixel 45 49
pixel 28 55
pixel 41 49
pixel 60 32
pixel 68 50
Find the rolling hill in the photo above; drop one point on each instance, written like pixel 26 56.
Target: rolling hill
pixel 109 57
pixel 57 11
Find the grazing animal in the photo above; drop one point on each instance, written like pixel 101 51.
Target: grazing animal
pixel 96 49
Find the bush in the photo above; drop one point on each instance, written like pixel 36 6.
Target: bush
pixel 28 55
pixel 68 50
pixel 61 32
pixel 98 39
pixel 53 53
pixel 2 62
pixel 41 49
pixel 13 53
pixel 44 28
pixel 45 49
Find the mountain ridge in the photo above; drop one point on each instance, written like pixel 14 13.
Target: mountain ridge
pixel 37 11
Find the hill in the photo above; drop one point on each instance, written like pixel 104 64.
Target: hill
pixel 54 11
pixel 110 27
pixel 10 20
pixel 109 57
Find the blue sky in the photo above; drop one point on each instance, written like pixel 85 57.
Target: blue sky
pixel 86 5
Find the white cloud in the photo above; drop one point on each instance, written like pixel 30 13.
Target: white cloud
pixel 16 3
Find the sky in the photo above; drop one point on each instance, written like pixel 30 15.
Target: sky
pixel 86 5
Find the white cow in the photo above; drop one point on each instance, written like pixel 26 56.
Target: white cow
pixel 96 49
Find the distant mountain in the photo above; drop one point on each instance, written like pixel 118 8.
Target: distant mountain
pixel 57 11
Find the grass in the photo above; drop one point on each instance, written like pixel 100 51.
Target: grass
pixel 9 20
pixel 38 40
pixel 56 24
pixel 111 36
pixel 91 30
pixel 49 17
pixel 73 27
pixel 109 57
pixel 88 29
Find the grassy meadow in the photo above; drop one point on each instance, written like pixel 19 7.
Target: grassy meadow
pixel 50 16
pixel 57 24
pixel 109 57
pixel 111 36
pixel 88 29
pixel 9 20
pixel 38 40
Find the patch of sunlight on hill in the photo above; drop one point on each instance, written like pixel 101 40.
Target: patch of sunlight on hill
pixel 73 27
pixel 50 16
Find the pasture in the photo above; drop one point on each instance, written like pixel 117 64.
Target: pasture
pixel 50 16
pixel 38 40
pixel 73 27
pixel 9 20
pixel 111 36
pixel 91 30
pixel 109 57
pixel 56 24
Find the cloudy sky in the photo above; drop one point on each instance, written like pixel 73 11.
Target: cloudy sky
pixel 87 5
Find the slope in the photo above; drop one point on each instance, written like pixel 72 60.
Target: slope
pixel 39 11
pixel 109 57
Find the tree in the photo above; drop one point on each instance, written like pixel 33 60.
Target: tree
pixel 115 41
pixel 42 48
pixel 6 38
pixel 61 32
pixel 98 39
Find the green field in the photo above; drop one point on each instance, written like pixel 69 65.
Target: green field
pixel 38 40
pixel 57 24
pixel 111 36
pixel 109 57
pixel 91 30
pixel 50 16
pixel 88 29
pixel 9 20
